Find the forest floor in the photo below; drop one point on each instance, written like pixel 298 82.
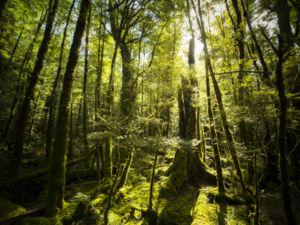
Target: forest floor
pixel 85 202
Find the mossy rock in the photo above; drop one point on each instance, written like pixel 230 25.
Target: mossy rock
pixel 9 210
pixel 37 221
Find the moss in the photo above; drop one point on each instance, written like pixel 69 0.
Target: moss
pixel 37 221
pixel 68 211
pixel 177 178
pixel 9 210
pixel 206 212
pixel 178 211
pixel 229 199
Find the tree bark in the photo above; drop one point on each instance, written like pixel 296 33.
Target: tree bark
pixel 220 179
pixel 85 76
pixel 55 196
pixel 284 175
pixel 53 97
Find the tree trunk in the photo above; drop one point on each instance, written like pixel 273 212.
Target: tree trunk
pixel 223 115
pixel 220 179
pixel 152 181
pixel 25 109
pixel 284 175
pixel 187 168
pixel 125 170
pixel 71 134
pixel 86 70
pixel 266 76
pixel 127 99
pixel 53 97
pixel 55 196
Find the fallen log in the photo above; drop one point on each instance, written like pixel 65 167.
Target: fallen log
pixel 28 213
pixel 39 172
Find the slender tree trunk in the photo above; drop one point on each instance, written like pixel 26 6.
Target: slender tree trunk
pixel 71 134
pixel 30 130
pixel 107 166
pixel 152 181
pixel 56 185
pixel 13 51
pixel 125 170
pixel 111 194
pixel 100 56
pixel 220 179
pixel 266 76
pixel 257 206
pixel 223 115
pixel 86 70
pixel 25 109
pixel 53 97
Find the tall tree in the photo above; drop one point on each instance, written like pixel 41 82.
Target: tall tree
pixel 228 134
pixel 53 96
pixel 55 195
pixel 85 76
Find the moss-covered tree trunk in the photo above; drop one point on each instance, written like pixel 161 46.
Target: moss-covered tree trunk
pixel 53 98
pixel 26 106
pixel 128 88
pixel 100 57
pixel 56 184
pixel 187 168
pixel 107 158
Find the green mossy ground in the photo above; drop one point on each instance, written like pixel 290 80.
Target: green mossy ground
pixel 86 202
pixel 9 210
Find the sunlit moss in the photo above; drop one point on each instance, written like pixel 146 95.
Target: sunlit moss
pixel 9 210
pixel 178 210
pixel 206 212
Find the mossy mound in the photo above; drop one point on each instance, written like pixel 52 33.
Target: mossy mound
pixel 9 210
pixel 178 211
pixel 209 212
pixel 36 221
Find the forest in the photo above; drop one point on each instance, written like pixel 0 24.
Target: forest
pixel 150 112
